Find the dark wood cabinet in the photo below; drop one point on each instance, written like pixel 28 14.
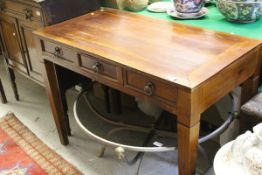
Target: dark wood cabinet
pixel 12 44
pixel 18 20
pixel 35 67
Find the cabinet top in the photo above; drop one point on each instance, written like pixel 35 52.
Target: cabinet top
pixel 178 53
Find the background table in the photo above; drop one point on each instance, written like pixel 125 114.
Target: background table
pixel 215 20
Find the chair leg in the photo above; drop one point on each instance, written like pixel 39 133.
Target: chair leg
pixel 115 101
pixel 13 83
pixel 107 98
pixel 2 93
pixel 64 102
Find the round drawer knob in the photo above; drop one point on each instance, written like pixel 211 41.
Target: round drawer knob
pixel 97 67
pixel 28 14
pixel 58 52
pixel 148 89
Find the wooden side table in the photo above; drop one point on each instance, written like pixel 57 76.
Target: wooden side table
pixel 183 69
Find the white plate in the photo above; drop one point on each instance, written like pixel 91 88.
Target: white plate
pixel 224 163
pixel 172 12
pixel 160 7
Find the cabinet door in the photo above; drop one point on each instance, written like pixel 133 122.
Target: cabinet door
pixel 35 67
pixel 12 44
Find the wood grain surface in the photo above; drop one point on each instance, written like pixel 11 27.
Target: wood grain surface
pixel 181 54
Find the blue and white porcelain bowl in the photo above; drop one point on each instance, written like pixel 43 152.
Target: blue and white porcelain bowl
pixel 188 6
pixel 241 11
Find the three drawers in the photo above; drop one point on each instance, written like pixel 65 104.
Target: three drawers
pixel 96 68
pixel 150 86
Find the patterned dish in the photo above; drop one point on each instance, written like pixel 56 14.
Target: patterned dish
pixel 243 156
pixel 241 11
pixel 224 163
pixel 175 14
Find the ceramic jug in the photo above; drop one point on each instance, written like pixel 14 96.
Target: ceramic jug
pixel 188 6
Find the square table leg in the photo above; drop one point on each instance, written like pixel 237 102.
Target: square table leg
pixel 55 97
pixel 12 77
pixel 187 148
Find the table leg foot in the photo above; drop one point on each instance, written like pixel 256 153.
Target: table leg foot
pixel 187 148
pixel 13 83
pixel 2 93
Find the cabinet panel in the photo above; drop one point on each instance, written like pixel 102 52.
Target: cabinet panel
pixel 13 50
pixel 35 67
pixel 22 11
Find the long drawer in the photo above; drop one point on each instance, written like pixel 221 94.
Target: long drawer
pixel 100 68
pixel 150 86
pixel 59 53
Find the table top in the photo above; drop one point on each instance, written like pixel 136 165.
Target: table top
pixel 216 21
pixel 181 54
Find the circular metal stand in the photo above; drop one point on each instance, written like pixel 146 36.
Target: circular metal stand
pixel 151 131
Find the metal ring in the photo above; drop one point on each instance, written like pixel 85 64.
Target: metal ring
pixel 114 144
pixel 103 141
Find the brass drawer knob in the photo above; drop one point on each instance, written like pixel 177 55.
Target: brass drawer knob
pixel 149 88
pixel 58 52
pixel 28 14
pixel 97 67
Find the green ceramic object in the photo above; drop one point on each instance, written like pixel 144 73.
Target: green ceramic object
pixel 241 11
pixel 136 5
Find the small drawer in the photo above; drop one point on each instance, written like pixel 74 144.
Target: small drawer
pixel 25 11
pixel 151 87
pixel 98 66
pixel 59 52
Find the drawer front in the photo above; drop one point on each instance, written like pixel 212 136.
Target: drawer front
pixel 98 66
pixel 59 53
pixel 151 87
pixel 25 11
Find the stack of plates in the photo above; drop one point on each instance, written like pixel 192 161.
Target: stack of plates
pixel 160 7
pixel 176 14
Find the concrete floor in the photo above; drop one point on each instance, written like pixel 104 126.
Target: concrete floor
pixel 34 111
